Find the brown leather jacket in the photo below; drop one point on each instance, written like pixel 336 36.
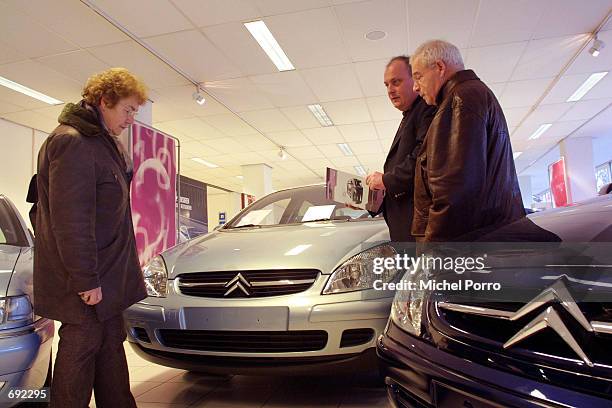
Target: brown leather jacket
pixel 465 181
pixel 84 232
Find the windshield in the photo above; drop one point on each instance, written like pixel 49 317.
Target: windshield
pixel 11 232
pixel 305 204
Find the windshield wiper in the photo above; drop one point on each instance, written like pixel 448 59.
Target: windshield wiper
pixel 247 226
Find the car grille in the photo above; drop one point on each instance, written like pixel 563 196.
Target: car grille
pixel 355 337
pixel 246 284
pixel 245 341
pixel 493 332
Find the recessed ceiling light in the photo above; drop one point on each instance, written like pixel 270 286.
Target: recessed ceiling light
pixel 375 35
pixel 543 128
pixel 360 170
pixel 268 43
pixel 516 155
pixel 320 114
pixel 204 162
pixel 29 92
pixel 586 86
pixel 345 149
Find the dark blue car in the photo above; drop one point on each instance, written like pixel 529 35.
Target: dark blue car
pixel 548 346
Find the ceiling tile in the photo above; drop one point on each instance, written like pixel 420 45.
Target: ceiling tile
pixel 32 119
pixel 230 124
pixel 515 115
pixel 196 128
pixel 331 151
pixel 586 109
pixel 366 147
pixel 494 63
pixel 453 21
pixel 238 94
pixel 307 47
pixel 272 7
pixel 344 161
pixel 371 76
pixel 235 41
pixel 597 127
pixel 516 24
pixel 357 19
pixel 139 61
pixel 30 38
pixel 146 18
pixel 547 57
pixel 269 120
pixel 42 79
pixel 80 24
pixel 547 113
pixel 164 111
pixel 197 149
pixel 301 117
pixel 571 17
pixel 255 142
pixel 347 112
pixel 381 109
pixel 524 93
pixel 10 53
pixel 333 83
pixel 170 129
pixel 18 99
pixel 603 89
pixel 214 12
pixel 181 97
pixel 284 88
pixel 323 135
pixel 201 60
pixel 358 132
pixel 564 88
pixel 78 65
pixel 7 107
pixel 226 145
pixel 387 129
pixel 292 138
pixel 300 153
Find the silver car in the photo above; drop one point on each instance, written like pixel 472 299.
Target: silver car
pixel 286 286
pixel 25 339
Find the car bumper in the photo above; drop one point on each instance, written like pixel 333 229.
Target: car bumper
pixel 24 357
pixel 417 374
pixel 292 314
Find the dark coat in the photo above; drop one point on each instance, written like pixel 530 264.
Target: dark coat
pixel 398 176
pixel 84 232
pixel 465 179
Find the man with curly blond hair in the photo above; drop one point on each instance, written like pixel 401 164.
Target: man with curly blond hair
pixel 86 270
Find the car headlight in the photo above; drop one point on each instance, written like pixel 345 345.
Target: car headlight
pixel 16 310
pixel 407 306
pixel 357 272
pixel 156 277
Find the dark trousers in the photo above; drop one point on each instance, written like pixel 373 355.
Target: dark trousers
pixel 91 356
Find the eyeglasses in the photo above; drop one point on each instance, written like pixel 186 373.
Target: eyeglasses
pixel 129 111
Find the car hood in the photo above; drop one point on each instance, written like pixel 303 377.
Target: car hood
pixel 321 246
pixel 8 259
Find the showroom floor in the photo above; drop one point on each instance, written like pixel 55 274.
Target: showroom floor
pixel 156 386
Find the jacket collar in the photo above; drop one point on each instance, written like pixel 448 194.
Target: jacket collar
pixel 457 78
pixel 83 118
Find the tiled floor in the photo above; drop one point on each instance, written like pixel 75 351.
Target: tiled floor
pixel 156 386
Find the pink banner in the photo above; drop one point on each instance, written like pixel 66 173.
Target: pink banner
pixel 558 183
pixel 153 191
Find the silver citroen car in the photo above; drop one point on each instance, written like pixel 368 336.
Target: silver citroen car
pixel 25 339
pixel 286 286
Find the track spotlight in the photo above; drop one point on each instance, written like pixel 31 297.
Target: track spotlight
pixel 597 46
pixel 282 153
pixel 198 97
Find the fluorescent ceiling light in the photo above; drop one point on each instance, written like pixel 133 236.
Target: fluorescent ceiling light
pixel 204 162
pixel 360 170
pixel 268 43
pixel 517 155
pixel 28 91
pixel 320 114
pixel 297 250
pixel 543 128
pixel 345 149
pixel 240 177
pixel 586 86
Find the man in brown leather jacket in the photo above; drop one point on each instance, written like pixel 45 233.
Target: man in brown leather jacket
pixel 465 180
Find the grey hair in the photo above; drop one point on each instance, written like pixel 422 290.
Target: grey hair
pixel 431 51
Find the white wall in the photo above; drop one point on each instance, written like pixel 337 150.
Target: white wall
pixel 221 201
pixel 19 147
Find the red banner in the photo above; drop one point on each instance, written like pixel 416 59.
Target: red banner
pixel 558 183
pixel 153 192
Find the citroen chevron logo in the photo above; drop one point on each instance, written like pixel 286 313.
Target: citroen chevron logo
pixel 238 282
pixel 548 319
